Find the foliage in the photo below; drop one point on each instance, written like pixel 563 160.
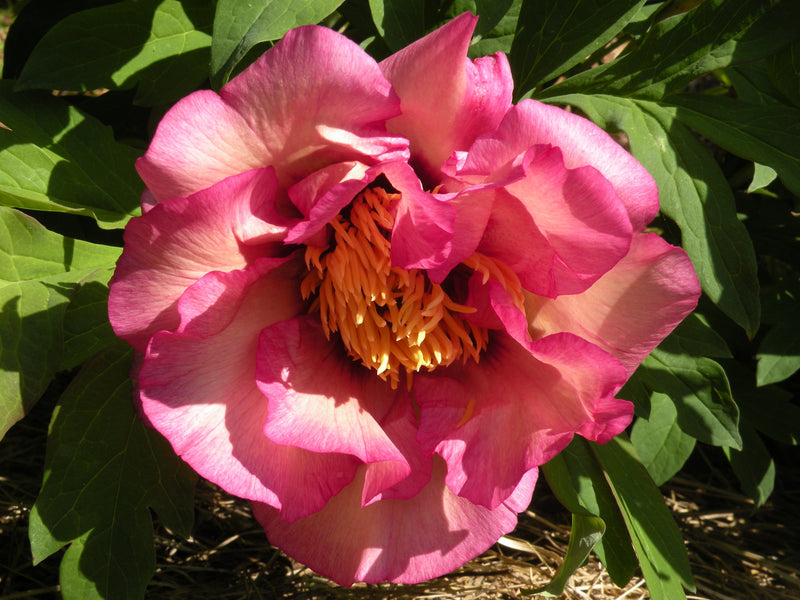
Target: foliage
pixel 705 94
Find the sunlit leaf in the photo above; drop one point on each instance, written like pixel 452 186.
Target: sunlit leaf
pixel 553 37
pixel 104 468
pixel 656 538
pixel 577 480
pixel 239 26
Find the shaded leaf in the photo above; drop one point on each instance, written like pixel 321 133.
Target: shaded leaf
pixel 55 158
pixel 39 271
pixel 399 22
pixel 679 49
pixel 700 390
pixel 747 130
pixel 103 469
pixel 779 351
pixel 694 336
pixel 753 466
pixel 769 409
pixel 239 26
pixel 659 441
pixel 693 193
pixel 784 71
pixel 553 37
pixel 161 45
pixel 656 539
pixel 577 480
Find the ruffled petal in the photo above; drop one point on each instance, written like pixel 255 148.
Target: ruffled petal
pixel 312 100
pixel 581 142
pixel 404 541
pixel 447 100
pixel 575 228
pixel 197 387
pixel 319 398
pixel 495 421
pixel 222 228
pixel 631 308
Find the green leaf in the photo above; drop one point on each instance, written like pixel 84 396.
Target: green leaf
pixel 659 441
pixel 399 22
pixel 500 37
pixel 784 72
pixel 747 130
pixel 753 466
pixel 238 26
pixel 700 390
pixel 161 45
pixel 656 539
pixel 693 193
pixel 696 337
pixel 553 37
pixel 54 158
pixel 769 409
pixel 779 352
pixel 103 470
pixel 39 271
pixel 86 327
pixel 586 532
pixel 676 51
pixel 762 177
pixel 577 480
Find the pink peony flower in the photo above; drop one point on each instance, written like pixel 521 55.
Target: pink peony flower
pixel 373 298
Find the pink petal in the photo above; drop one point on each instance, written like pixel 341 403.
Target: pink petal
pixel 176 243
pixel 447 100
pixel 404 541
pixel 575 228
pixel 388 479
pixel 197 387
pixel 312 100
pixel 319 398
pixel 495 421
pixel 631 308
pixel 581 142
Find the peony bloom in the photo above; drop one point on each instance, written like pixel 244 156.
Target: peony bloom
pixel 373 298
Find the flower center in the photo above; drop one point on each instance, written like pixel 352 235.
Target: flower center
pixel 393 320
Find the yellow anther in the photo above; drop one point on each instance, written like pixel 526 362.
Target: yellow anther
pixel 390 319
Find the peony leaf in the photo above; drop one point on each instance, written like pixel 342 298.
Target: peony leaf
pixel 696 337
pixel 659 441
pixel 399 22
pixel 762 177
pixel 771 138
pixel 586 532
pixel 103 469
pixel 55 158
pixel 500 37
pixel 753 466
pixel 553 37
pixel 238 26
pixel 769 409
pixel 39 271
pixel 694 194
pixel 700 390
pixel 577 480
pixel 779 352
pixel 784 72
pixel 160 45
pixel 679 49
pixel 656 539
pixel 86 326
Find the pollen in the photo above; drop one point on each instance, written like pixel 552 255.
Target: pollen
pixel 394 321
